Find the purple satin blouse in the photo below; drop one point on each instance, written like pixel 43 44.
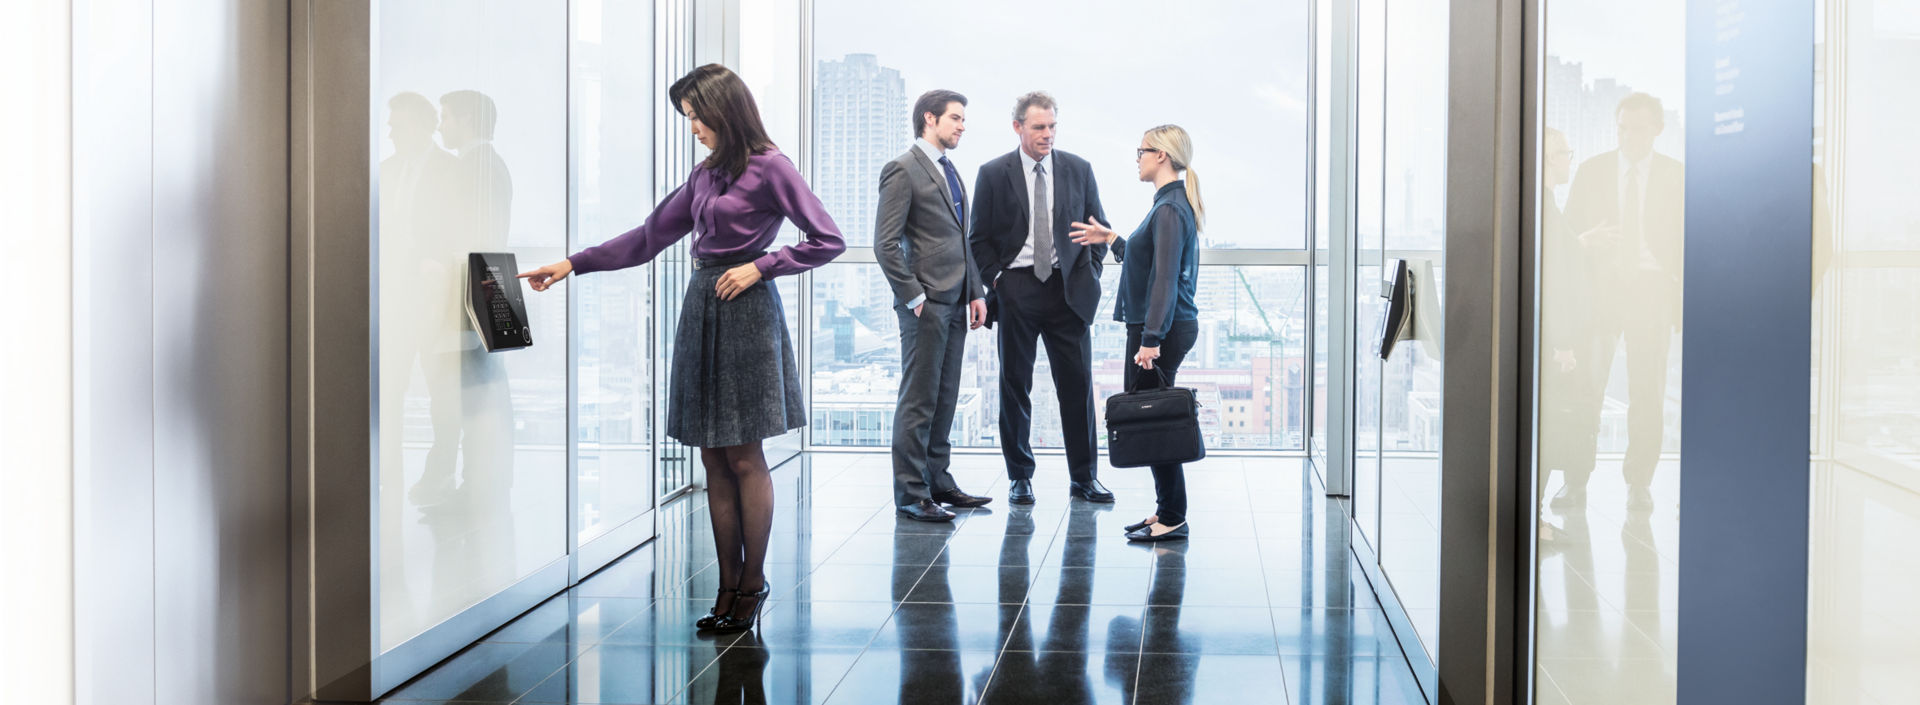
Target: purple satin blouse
pixel 743 219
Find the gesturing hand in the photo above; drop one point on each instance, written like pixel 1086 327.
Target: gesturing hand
pixel 737 280
pixel 544 278
pixel 1092 233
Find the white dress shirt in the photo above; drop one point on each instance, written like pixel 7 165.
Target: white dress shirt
pixel 1025 258
pixel 1641 170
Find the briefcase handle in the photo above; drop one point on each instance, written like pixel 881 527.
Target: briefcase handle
pixel 1158 371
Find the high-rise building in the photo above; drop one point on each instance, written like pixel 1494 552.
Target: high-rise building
pixel 860 122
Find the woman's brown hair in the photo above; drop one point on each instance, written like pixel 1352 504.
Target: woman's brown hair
pixel 720 100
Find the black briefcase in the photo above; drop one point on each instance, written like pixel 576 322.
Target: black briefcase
pixel 1154 427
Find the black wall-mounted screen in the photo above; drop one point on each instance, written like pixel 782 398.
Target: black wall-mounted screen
pixel 495 304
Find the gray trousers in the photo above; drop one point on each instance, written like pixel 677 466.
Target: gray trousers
pixel 932 346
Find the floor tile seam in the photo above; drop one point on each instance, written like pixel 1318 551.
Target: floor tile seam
pixel 999 654
pixel 572 657
pixel 688 684
pixel 1310 512
pixel 1553 683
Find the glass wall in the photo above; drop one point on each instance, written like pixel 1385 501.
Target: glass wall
pixel 614 103
pixel 1329 199
pixel 1866 420
pixel 1611 228
pixel 1250 139
pixel 1413 219
pixel 472 445
pixel 1399 167
pixel 1367 241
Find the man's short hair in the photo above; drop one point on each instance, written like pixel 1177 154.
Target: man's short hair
pixel 1642 101
pixel 474 107
pixel 934 101
pixel 1036 99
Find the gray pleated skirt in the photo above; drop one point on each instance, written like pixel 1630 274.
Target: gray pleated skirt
pixel 735 379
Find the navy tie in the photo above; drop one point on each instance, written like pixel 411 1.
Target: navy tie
pixel 953 189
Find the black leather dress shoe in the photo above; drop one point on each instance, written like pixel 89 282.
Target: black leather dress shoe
pixel 1091 491
pixel 958 498
pixel 926 510
pixel 1021 492
pixel 1179 533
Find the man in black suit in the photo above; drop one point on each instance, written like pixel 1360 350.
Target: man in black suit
pixel 1629 207
pixel 1044 288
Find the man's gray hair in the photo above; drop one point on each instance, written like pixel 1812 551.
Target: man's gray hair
pixel 1036 99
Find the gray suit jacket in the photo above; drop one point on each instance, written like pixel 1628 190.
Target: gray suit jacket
pixel 920 244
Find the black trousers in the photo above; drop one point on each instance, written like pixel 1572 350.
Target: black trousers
pixel 1169 481
pixel 1642 320
pixel 1034 312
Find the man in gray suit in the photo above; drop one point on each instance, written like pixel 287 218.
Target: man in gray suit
pixel 920 240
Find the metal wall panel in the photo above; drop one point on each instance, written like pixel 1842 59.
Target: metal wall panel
pixel 220 351
pixel 180 285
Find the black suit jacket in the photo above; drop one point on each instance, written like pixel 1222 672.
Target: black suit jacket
pixel 1001 218
pixel 1594 200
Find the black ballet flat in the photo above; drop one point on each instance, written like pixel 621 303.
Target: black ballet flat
pixel 729 624
pixel 1179 533
pixel 1130 528
pixel 713 613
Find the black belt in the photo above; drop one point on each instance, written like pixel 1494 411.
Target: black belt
pixel 728 261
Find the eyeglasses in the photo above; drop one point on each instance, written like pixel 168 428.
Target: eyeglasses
pixel 1141 152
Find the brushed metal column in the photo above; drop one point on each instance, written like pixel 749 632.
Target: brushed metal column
pixel 1481 401
pixel 335 464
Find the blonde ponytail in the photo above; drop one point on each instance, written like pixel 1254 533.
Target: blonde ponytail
pixel 1174 142
pixel 1193 199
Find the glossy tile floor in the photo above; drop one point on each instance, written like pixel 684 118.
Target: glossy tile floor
pixel 1046 604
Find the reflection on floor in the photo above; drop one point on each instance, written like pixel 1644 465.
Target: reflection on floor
pixel 1609 587
pixel 1046 604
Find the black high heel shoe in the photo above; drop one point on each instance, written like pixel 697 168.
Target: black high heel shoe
pixel 713 613
pixel 728 624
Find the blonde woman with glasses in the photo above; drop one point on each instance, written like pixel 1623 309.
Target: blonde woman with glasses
pixel 1160 272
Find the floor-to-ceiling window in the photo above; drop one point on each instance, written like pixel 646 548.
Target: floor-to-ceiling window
pixel 1611 227
pixel 1866 431
pixel 615 102
pixel 1237 82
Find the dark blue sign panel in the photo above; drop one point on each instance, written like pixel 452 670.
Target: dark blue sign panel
pixel 1748 274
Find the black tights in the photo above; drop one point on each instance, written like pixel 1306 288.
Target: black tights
pixel 740 504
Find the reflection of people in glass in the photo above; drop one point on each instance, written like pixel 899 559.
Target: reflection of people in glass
pixel 1569 425
pixel 415 276
pixel 1629 206
pixel 473 406
pixel 735 381
pixel 1159 277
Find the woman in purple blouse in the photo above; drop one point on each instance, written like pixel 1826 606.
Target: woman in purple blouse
pixel 735 382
